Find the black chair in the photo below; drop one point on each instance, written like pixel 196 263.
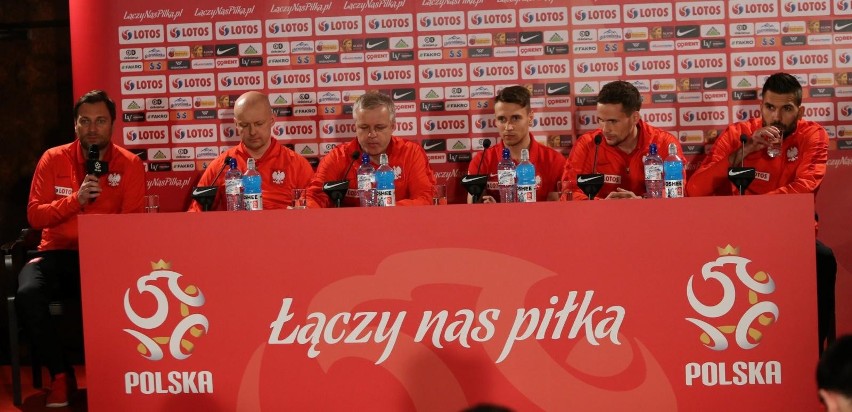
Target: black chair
pixel 16 255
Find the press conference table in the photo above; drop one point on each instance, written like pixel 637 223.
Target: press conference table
pixel 664 304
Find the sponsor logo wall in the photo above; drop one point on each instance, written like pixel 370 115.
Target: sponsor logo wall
pixel 699 65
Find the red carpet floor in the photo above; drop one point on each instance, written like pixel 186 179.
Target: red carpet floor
pixel 33 399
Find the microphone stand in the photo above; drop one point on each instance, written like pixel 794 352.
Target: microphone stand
pixel 591 183
pixel 205 195
pixel 741 176
pixel 336 189
pixel 475 184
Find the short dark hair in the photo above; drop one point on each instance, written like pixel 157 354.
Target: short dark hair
pixel 834 370
pixel 519 95
pixel 96 96
pixel 783 83
pixel 621 92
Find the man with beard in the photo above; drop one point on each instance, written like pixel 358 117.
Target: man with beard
pixel 626 140
pixel 800 166
pixel 63 188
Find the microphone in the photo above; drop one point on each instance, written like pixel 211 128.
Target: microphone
pixel 93 165
pixel 336 189
pixel 475 184
pixel 591 183
pixel 741 176
pixel 205 195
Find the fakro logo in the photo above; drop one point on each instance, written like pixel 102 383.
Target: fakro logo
pixel 188 299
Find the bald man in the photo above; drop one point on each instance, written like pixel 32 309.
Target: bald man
pixel 281 170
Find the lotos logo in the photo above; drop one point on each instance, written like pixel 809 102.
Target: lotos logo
pixel 445 125
pixel 632 13
pixel 224 30
pixel 426 21
pixel 843 5
pixel 154 333
pixel 175 33
pixel 328 128
pixel 376 76
pixel 846 111
pixel 430 125
pixel 740 62
pixel 743 115
pixel 482 123
pixel 278 130
pixel 580 15
pixel 132 135
pixel 229 132
pixel 844 58
pixel 374 24
pixel 585 120
pixel 635 66
pixel 724 272
pixel 141 34
pixel 685 11
pixel 583 68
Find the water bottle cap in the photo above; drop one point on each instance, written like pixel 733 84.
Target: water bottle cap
pixel 652 149
pixel 506 153
pixel 365 158
pixel 383 159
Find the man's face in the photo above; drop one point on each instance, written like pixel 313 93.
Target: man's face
pixel 513 123
pixel 93 125
pixel 373 128
pixel 617 126
pixel 254 124
pixel 781 111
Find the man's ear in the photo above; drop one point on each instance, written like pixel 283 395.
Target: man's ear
pixel 830 400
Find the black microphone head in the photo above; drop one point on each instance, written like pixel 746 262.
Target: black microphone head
pixel 743 138
pixel 356 155
pixel 94 152
pixel 598 139
pixel 486 144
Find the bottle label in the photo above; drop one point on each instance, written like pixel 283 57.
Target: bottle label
pixel 674 188
pixel 232 186
pixel 365 181
pixel 653 172
pixel 526 193
pixel 506 177
pixel 253 201
pixel 386 197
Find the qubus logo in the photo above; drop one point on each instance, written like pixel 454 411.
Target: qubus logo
pixel 158 332
pixel 723 271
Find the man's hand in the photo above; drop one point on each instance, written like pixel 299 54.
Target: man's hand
pixel 759 140
pixel 488 199
pixel 620 193
pixel 90 189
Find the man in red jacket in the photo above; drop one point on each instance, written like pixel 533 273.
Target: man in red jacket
pixel 514 116
pixel 627 139
pixel 63 187
pixel 375 121
pixel 800 166
pixel 281 169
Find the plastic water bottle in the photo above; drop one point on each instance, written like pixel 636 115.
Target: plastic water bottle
pixel 673 173
pixel 366 178
pixel 653 173
pixel 234 186
pixel 506 178
pixel 384 182
pixel 252 195
pixel 526 178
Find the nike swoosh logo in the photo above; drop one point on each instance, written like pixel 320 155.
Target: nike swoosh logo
pixel 334 185
pixel 582 180
pixel 374 45
pixel 220 52
pixel 468 180
pixel 493 175
pixel 431 146
pixel 526 39
pixel 684 33
pixel 737 172
pixel 709 85
pixel 839 27
pixel 197 192
pixel 401 95
pixel 549 90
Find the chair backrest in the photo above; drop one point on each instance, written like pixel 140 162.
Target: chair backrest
pixel 18 253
